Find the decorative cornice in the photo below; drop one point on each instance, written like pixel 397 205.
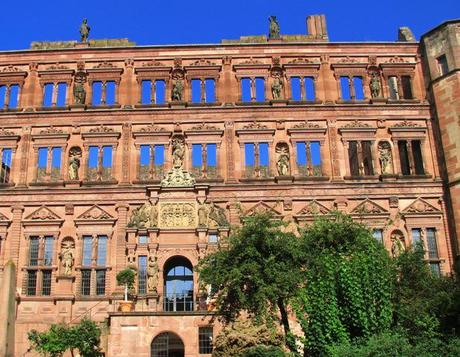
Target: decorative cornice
pixel 357 124
pixel 306 125
pixel 254 125
pixel 406 124
pixel 203 127
pixel 152 128
pixel 51 130
pixel 101 129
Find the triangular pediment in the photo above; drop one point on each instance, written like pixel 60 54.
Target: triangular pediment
pixel 43 214
pixel 3 218
pixel 261 207
pixel 421 206
pixel 368 207
pixel 313 208
pixel 95 213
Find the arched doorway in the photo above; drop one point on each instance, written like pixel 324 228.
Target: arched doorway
pixel 178 284
pixel 167 344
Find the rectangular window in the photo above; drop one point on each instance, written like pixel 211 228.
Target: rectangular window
pixel 358 86
pixel 418 159
pixel 249 152
pixel 196 90
pixel 107 156
pixel 93 157
pixel 442 65
pixel 142 274
pixel 197 156
pixel 416 236
pixel 366 147
pixel 353 158
pixel 301 153
pixel 345 88
pixel 145 155
pixel 260 89
pixel 315 152
pixel 86 282
pixel 87 250
pixel 31 282
pixel 143 239
pixel 159 154
pixel 33 251
pixel 263 154
pixel 61 95
pixel 213 238
pixel 211 155
pixel 42 158
pixel 404 157
pixel 14 96
pixel 406 87
pixel 205 340
pixel 48 253
pixel 46 282
pixel 310 92
pixel 393 86
pixel 435 269
pixel 246 90
pixel 110 92
pixel 210 87
pixel 102 251
pixel 146 92
pixel 56 154
pixel 378 235
pixel 432 244
pixel 6 165
pixel 100 282
pixel 97 93
pixel 48 89
pixel 296 93
pixel 160 92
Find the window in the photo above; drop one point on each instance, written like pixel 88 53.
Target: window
pixel 49 163
pixel 253 89
pixel 213 238
pixel 153 92
pixel 151 162
pixel 86 282
pixel 406 84
pixel 393 86
pixel 308 158
pixel 87 250
pixel 142 275
pixel 104 93
pixel 48 253
pixel 6 155
pixel 353 158
pixel 143 239
pixel 400 87
pixel 435 268
pixel 46 282
pixel 360 158
pixel 378 235
pixel 410 157
pixel 178 282
pixel 100 282
pixel 167 344
pixel 443 67
pixel 100 163
pixel 367 158
pixel 31 282
pixel 416 236
pixel 257 159
pixel 431 242
pixel 351 88
pixel 204 160
pixel 33 251
pixel 205 340
pixel 54 94
pixel 9 96
pixel 101 250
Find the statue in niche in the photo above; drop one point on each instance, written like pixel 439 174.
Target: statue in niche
pixel 152 274
pixel 217 216
pixel 385 158
pixel 277 87
pixel 67 255
pixel 202 216
pixel 282 164
pixel 177 91
pixel 131 258
pixel 145 216
pixel 274 29
pixel 74 163
pixel 375 85
pixel 79 92
pixel 84 31
pixel 397 243
pixel 178 152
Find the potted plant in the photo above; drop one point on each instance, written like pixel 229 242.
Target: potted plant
pixel 126 278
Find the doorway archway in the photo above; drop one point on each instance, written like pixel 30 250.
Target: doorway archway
pixel 167 344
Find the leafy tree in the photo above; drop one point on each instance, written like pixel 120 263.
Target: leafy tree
pixel 126 278
pixel 258 272
pixel 349 284
pixel 261 351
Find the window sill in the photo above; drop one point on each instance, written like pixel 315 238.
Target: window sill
pixel 204 105
pixel 100 182
pixel 250 104
pixel 111 106
pixel 352 101
pixel 256 179
pixel 6 184
pixel 153 105
pixel 47 183
pixel 402 101
pixel 414 177
pixel 49 109
pixel 147 182
pixel 362 178
pixel 305 102
pixel 209 179
pixel 311 178
pixel 10 110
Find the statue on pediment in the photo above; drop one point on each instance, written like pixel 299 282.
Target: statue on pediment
pixel 84 31
pixel 79 91
pixel 277 87
pixel 385 158
pixel 375 85
pixel 67 256
pixel 152 275
pixel 145 216
pixel 274 29
pixel 177 91
pixel 74 163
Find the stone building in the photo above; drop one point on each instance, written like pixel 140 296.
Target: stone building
pixel 117 155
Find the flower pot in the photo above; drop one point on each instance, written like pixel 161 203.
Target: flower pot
pixel 126 306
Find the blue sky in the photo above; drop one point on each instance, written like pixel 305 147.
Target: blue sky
pixel 208 21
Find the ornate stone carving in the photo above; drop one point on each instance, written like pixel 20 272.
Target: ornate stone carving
pixel 397 243
pixel 152 275
pixel 153 63
pixel 255 125
pixel 313 208
pixel 306 125
pixel 79 91
pixel 274 28
pixel 178 178
pixel 385 158
pixel 56 67
pixel 396 59
pixel 105 64
pixel 348 59
pixel 95 213
pixel 178 151
pixel 203 62
pixel 203 126
pixel 212 216
pixel 145 216
pixel 175 215
pixel 101 129
pixel 43 214
pixel 67 256
pixel 357 124
pixel 277 87
pixel 420 206
pixel 405 34
pixel 301 60
pixel 84 31
pixel 177 90
pixel 152 128
pixel 262 207
pixel 5 132
pixel 75 154
pixel 51 130
pixel 251 61
pixel 10 68
pixel 283 159
pixel 368 207
pixel 406 124
pixel 375 85
pixel 3 217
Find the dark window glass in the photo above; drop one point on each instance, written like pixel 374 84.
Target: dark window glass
pixel 353 158
pixel 102 250
pixel 442 65
pixel 378 235
pixel 31 282
pixel 416 236
pixel 48 253
pixel 86 282
pixel 431 242
pixel 100 282
pixel 33 251
pixel 6 165
pixel 418 159
pixel 367 157
pixel 205 340
pixel 404 157
pixel 46 282
pixel 87 250
pixel 406 87
pixel 393 86
pixel 167 344
pixel 435 269
pixel 178 285
pixel 142 274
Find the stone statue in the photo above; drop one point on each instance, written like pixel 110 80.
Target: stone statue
pixel 405 35
pixel 274 30
pixel 385 158
pixel 84 31
pixel 217 216
pixel 375 85
pixel 79 92
pixel 74 163
pixel 282 163
pixel 66 255
pixel 178 152
pixel 131 258
pixel 145 216
pixel 277 87
pixel 202 216
pixel 152 274
pixel 177 91
pixel 397 245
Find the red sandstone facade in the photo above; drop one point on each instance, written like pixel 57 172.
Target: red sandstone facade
pixel 247 149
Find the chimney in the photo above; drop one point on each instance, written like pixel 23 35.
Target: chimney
pixel 316 27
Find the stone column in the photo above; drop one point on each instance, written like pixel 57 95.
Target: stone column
pixel 125 161
pixel 7 310
pixel 230 159
pixel 14 236
pixel 120 242
pixel 334 155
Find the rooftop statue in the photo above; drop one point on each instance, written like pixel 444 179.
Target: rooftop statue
pixel 84 30
pixel 274 28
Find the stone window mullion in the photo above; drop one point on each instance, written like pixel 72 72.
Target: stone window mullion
pixel 7 96
pixel 153 91
pixel 351 87
pixel 54 94
pixel 256 159
pixel 49 154
pixel 303 95
pixel 410 155
pixel 103 92
pixel 308 156
pixel 100 155
pixel 204 158
pixel 360 157
pixel 253 89
pixel 203 90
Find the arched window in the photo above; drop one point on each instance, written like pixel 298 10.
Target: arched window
pixel 178 285
pixel 167 344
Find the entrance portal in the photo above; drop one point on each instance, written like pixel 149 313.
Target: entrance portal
pixel 167 344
